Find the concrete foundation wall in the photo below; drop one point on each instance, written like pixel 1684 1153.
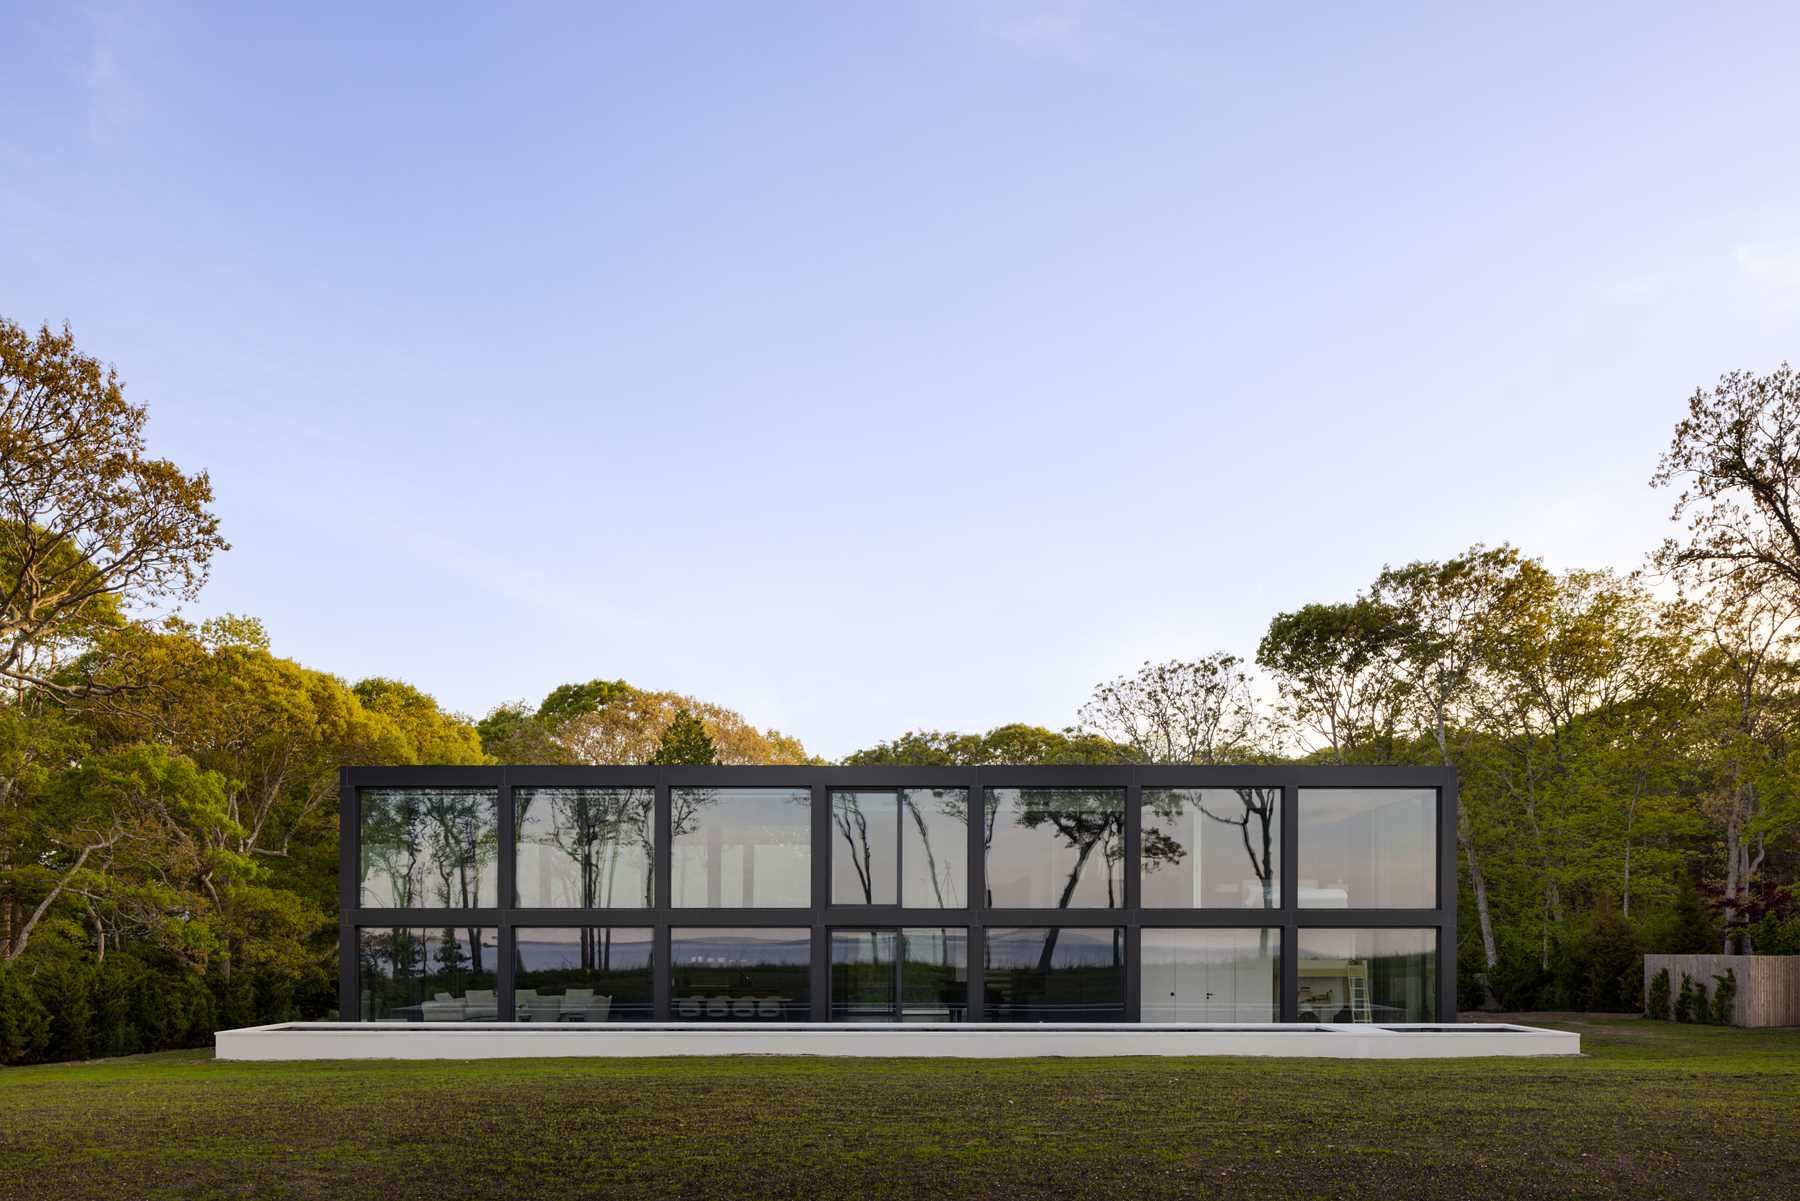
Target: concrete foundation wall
pixel 425 1040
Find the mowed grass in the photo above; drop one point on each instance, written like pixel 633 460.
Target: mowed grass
pixel 1653 1110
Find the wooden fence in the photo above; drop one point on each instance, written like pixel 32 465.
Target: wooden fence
pixel 1768 986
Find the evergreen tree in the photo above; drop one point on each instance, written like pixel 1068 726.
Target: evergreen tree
pixel 685 742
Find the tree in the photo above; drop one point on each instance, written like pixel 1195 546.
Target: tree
pixel 1736 458
pixel 685 741
pixel 1198 711
pixel 88 521
pixel 1335 666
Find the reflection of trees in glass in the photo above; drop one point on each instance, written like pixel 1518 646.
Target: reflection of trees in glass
pixel 1086 820
pixel 1254 818
pixel 848 818
pixel 390 842
pixel 591 827
pixel 459 832
pixel 952 803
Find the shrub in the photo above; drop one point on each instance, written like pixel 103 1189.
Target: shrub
pixel 1659 995
pixel 1684 1001
pixel 1702 1010
pixel 1724 997
pixel 66 991
pixel 24 1022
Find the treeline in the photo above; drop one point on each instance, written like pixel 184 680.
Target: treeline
pixel 168 850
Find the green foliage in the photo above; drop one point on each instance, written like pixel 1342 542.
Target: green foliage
pixel 1684 1000
pixel 24 1022
pixel 1658 1006
pixel 685 741
pixel 573 700
pixel 1724 998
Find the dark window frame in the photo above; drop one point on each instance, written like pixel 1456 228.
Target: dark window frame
pixel 821 916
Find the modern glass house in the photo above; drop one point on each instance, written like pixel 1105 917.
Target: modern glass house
pixel 821 894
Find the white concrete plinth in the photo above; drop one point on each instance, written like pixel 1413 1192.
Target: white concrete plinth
pixel 531 1040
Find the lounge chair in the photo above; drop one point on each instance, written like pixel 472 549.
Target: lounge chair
pixel 445 1008
pixel 575 1005
pixel 718 1007
pixel 769 1007
pixel 481 1005
pixel 743 1007
pixel 689 1007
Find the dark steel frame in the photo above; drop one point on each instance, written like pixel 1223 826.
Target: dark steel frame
pixel 822 917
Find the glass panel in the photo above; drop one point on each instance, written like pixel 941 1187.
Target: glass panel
pixel 1054 975
pixel 934 840
pixel 429 848
pixel 585 848
pixel 1210 975
pixel 917 975
pixel 1055 848
pixel 1368 848
pixel 583 974
pixel 1211 848
pixel 1368 975
pixel 865 848
pixel 742 975
pixel 411 975
pixel 741 848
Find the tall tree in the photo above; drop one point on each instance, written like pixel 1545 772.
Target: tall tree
pixel 1181 711
pixel 88 520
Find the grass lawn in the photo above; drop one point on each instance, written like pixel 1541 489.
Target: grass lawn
pixel 1653 1110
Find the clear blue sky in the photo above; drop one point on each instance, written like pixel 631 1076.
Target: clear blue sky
pixel 876 366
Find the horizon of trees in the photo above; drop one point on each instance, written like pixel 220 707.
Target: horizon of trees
pixel 1626 741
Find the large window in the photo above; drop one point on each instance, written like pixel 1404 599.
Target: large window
pixel 1210 975
pixel 429 848
pixel 1211 848
pixel 583 974
pixel 741 848
pixel 905 846
pixel 1055 848
pixel 413 975
pixel 1368 975
pixel 1368 848
pixel 740 975
pixel 1055 975
pixel 585 848
pixel 899 975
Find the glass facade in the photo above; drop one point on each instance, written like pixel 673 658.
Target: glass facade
pixel 425 975
pixel 1211 848
pixel 741 848
pixel 1210 975
pixel 1368 975
pixel 899 975
pixel 1187 894
pixel 1055 848
pixel 906 846
pixel 1055 975
pixel 1368 848
pixel 429 848
pixel 741 974
pixel 585 848
pixel 584 974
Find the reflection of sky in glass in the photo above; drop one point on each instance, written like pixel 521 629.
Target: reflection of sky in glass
pixel 1366 848
pixel 740 948
pixel 547 950
pixel 741 847
pixel 1074 948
